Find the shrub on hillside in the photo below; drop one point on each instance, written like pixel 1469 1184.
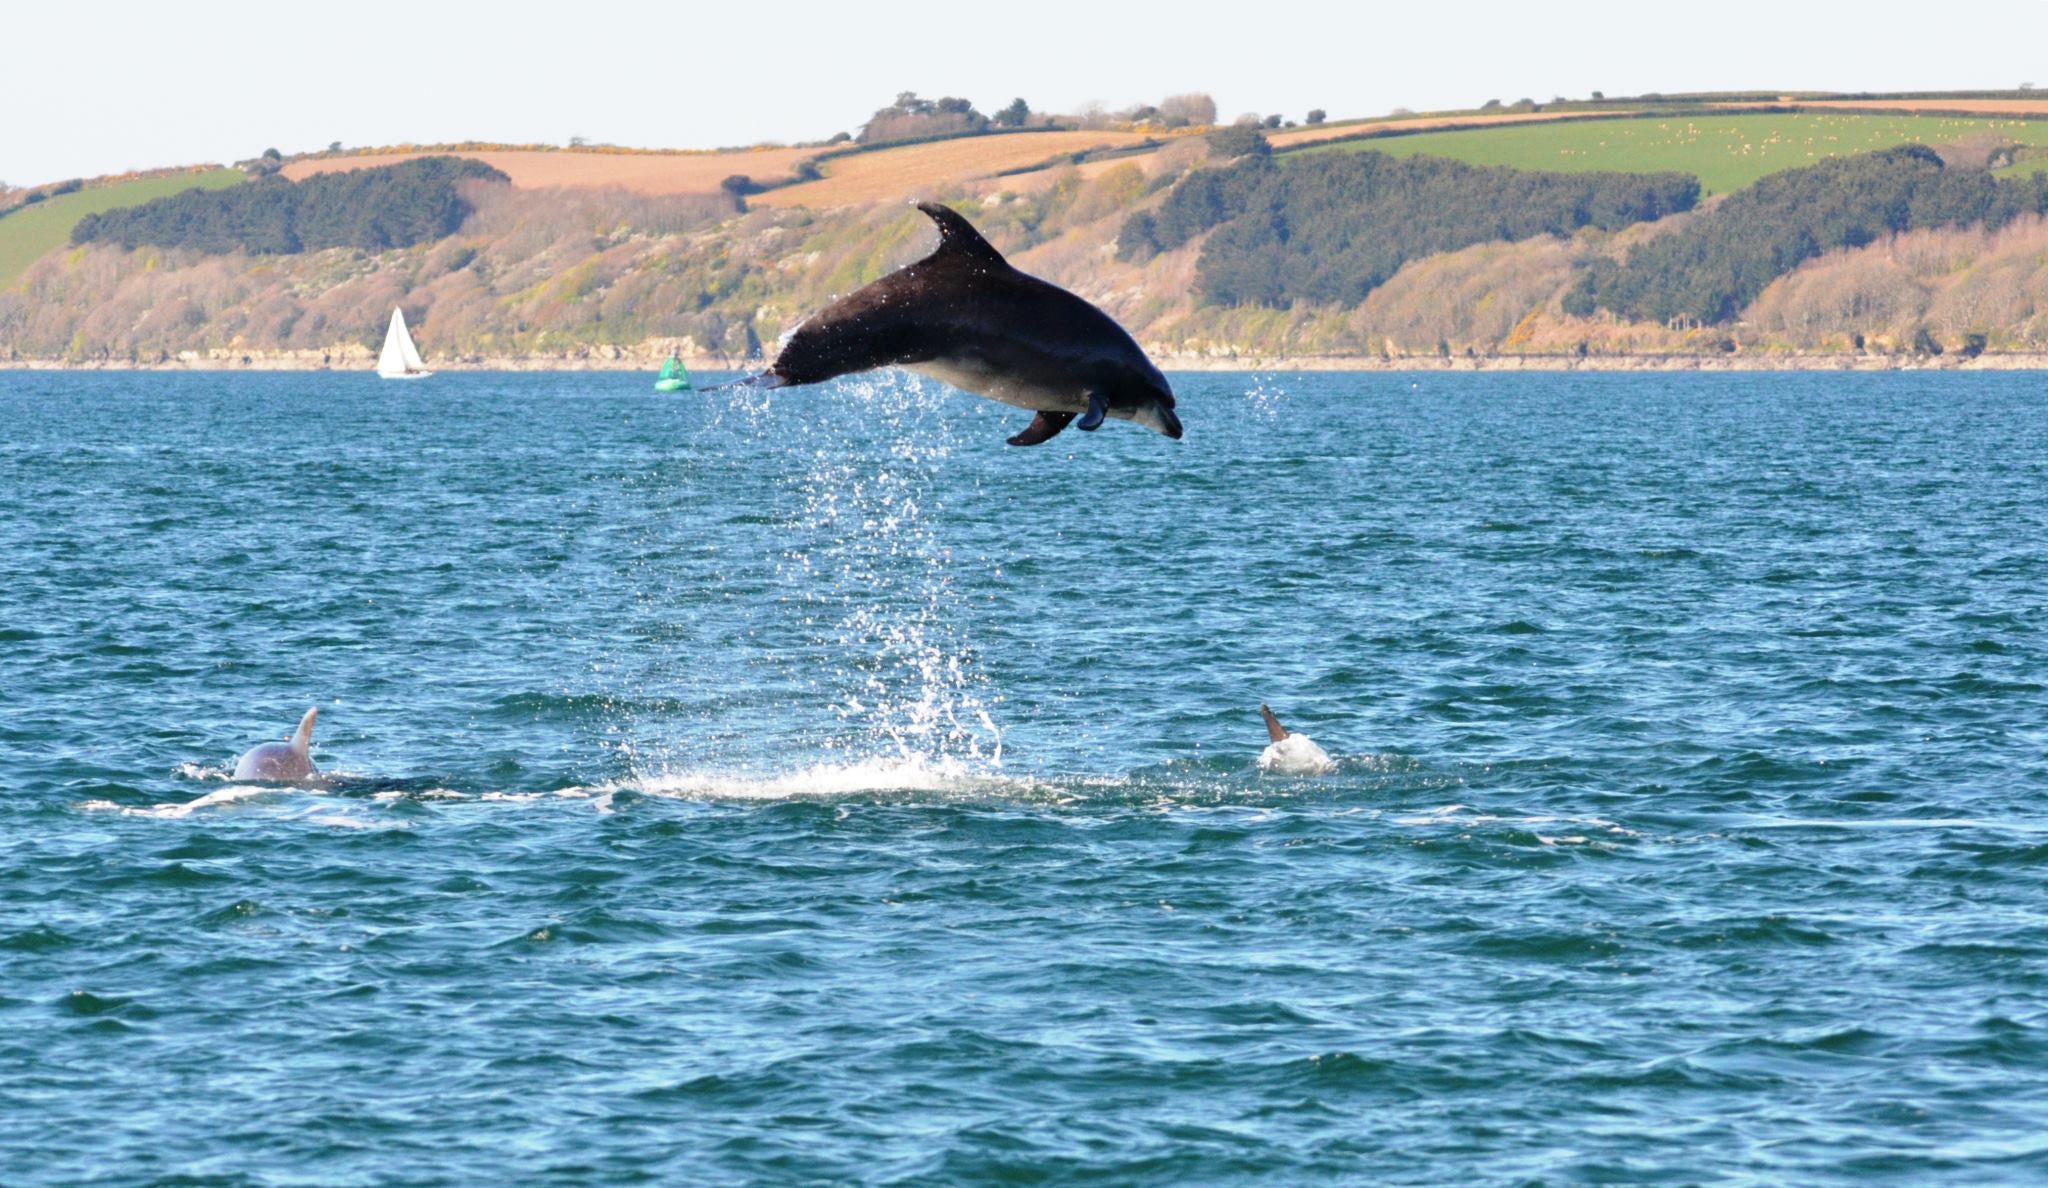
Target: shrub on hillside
pixel 1238 140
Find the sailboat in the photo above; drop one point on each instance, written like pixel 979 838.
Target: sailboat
pixel 673 377
pixel 400 359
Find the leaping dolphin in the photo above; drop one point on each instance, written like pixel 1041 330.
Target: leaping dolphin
pixel 282 762
pixel 965 317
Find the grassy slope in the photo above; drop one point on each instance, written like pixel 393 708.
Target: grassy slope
pixel 31 231
pixel 1726 152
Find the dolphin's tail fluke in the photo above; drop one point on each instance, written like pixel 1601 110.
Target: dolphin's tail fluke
pixel 302 738
pixel 1273 726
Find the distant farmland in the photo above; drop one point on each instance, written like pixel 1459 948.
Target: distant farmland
pixel 642 173
pixel 33 230
pixel 1726 152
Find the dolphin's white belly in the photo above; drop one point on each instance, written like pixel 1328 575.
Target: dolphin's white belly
pixel 972 375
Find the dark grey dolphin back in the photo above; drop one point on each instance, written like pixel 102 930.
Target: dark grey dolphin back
pixel 890 322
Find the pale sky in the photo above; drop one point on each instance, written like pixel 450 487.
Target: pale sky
pixel 93 87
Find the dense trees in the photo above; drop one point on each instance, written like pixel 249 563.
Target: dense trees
pixel 914 118
pixel 1193 109
pixel 1238 140
pixel 1331 227
pixel 1015 115
pixel 372 209
pixel 1708 271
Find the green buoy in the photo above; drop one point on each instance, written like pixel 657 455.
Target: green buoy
pixel 673 378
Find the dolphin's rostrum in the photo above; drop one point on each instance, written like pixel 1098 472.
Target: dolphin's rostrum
pixel 963 316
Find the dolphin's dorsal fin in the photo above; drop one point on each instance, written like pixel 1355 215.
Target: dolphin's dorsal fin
pixel 302 738
pixel 1273 726
pixel 957 236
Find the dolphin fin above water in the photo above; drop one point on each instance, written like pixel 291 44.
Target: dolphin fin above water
pixel 965 317
pixel 1290 753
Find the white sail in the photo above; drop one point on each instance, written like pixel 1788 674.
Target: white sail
pixel 400 359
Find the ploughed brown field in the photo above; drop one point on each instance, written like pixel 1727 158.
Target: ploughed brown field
pixel 917 169
pixel 642 173
pixel 878 176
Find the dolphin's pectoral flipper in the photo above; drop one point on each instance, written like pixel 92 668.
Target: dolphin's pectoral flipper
pixel 1091 420
pixel 1043 428
pixel 1273 727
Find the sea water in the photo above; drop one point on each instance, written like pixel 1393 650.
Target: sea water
pixel 808 787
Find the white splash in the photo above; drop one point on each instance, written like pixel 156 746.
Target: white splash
pixel 942 777
pixel 1297 754
pixel 868 559
pixel 1267 397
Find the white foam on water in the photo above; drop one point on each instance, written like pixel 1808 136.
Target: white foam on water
pixel 1460 815
pixel 943 778
pixel 234 794
pixel 1896 823
pixel 289 802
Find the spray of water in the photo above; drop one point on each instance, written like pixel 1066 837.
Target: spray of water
pixel 877 582
pixel 1266 397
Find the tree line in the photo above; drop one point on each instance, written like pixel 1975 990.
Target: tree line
pixel 378 209
pixel 1711 269
pixel 1332 227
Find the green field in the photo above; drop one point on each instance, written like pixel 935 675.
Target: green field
pixel 30 231
pixel 1726 152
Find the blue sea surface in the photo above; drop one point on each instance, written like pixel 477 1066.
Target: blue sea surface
pixel 807 787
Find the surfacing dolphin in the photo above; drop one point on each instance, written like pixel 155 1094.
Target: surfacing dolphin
pixel 1291 753
pixel 964 317
pixel 282 762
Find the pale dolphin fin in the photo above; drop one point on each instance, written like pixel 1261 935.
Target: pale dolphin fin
pixel 302 738
pixel 1043 428
pixel 1091 420
pixel 1273 726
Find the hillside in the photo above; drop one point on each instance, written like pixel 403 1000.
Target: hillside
pixel 1726 151
pixel 29 232
pixel 597 255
